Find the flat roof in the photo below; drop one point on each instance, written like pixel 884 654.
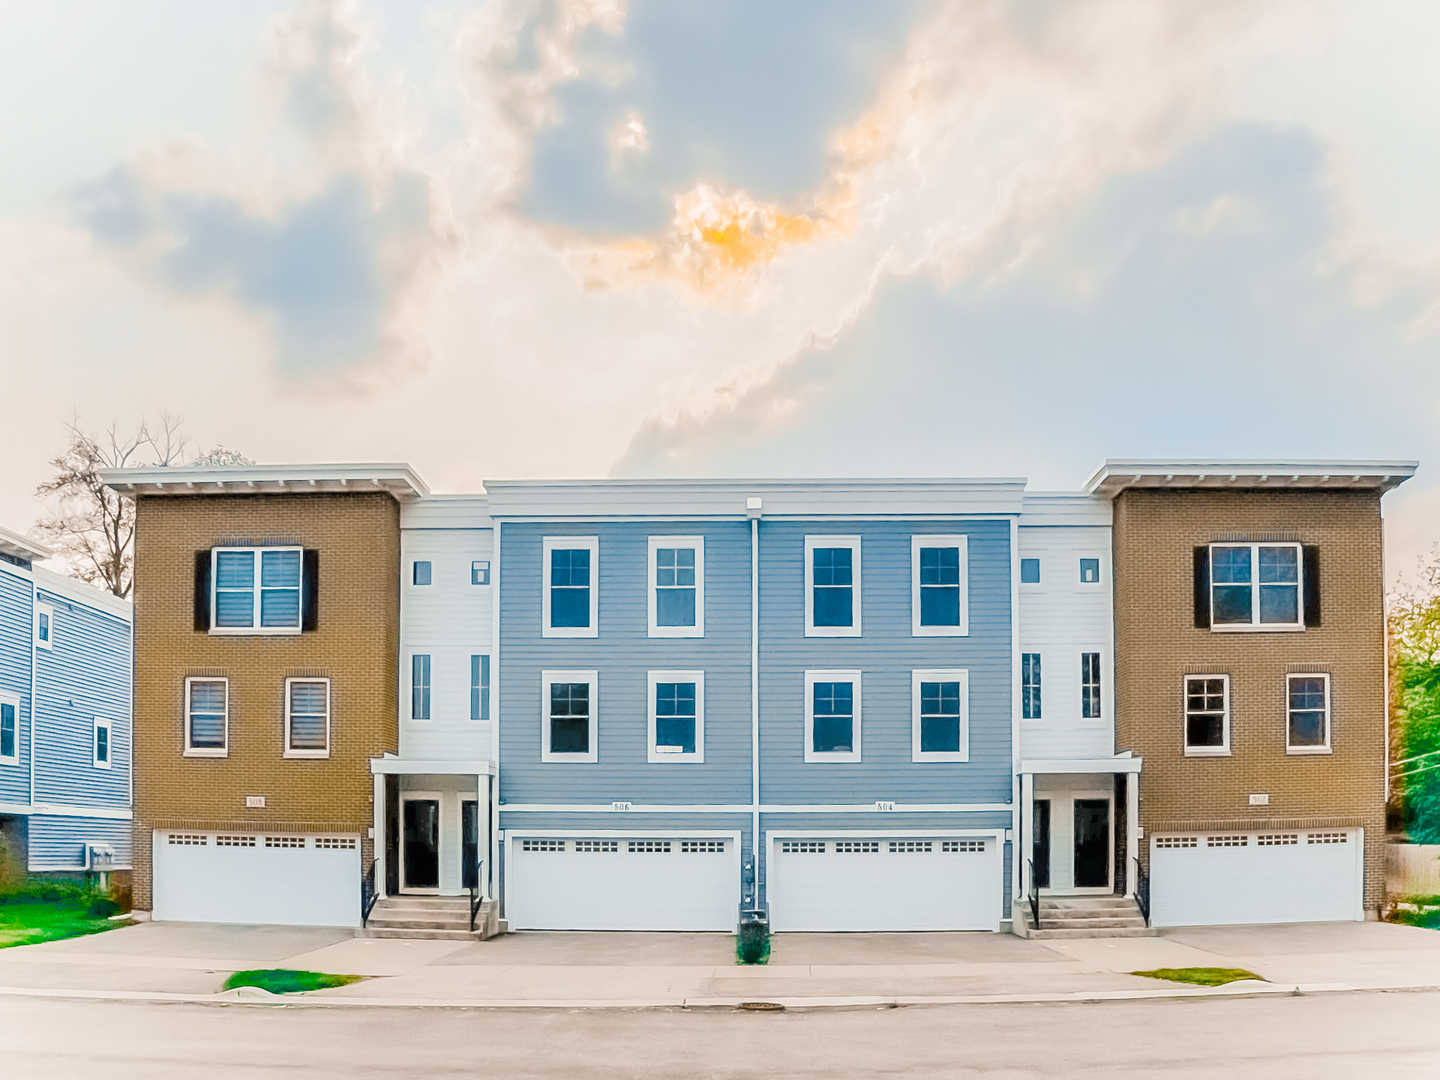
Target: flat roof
pixel 395 477
pixel 1118 474
pixel 19 546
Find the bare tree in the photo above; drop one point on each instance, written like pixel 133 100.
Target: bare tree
pixel 92 526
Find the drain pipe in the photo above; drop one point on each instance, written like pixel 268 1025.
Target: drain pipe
pixel 752 510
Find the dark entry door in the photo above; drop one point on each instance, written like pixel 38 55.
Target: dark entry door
pixel 1041 850
pixel 1092 843
pixel 422 843
pixel 469 844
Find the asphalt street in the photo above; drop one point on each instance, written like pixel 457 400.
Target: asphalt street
pixel 1352 1035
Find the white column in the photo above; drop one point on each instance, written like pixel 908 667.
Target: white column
pixel 379 811
pixel 1132 829
pixel 482 839
pixel 1024 841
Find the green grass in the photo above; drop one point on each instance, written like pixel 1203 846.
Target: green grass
pixel 286 981
pixel 1421 911
pixel 49 912
pixel 1200 976
pixel 761 957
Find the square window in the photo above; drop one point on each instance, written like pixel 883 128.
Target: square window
pixel 677 716
pixel 256 590
pixel 677 586
pixel 1307 722
pixel 102 743
pixel 9 729
pixel 832 716
pixel 420 686
pixel 1090 686
pixel 480 687
pixel 939 586
pixel 570 599
pixel 1255 587
pixel 307 718
pixel 480 572
pixel 1030 571
pixel 44 626
pixel 421 572
pixel 207 717
pixel 1030 686
pixel 1089 571
pixel 940 715
pixel 1207 715
pixel 832 586
pixel 568 718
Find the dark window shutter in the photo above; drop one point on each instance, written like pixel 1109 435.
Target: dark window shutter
pixel 1202 588
pixel 1312 585
pixel 310 591
pixel 202 591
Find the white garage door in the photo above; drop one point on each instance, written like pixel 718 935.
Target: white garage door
pixel 1218 879
pixel 885 883
pixel 578 882
pixel 288 879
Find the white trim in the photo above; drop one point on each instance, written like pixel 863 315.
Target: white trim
pixel 547 678
pixel 407 683
pixel 852 755
pixel 1103 686
pixel 205 751
pixel 102 722
pixel 481 698
pixel 853 543
pixel 46 612
pixel 1062 766
pixel 651 587
pixel 103 813
pixel 1255 625
pixel 960 675
pixel 398 766
pixel 570 543
pixel 746 808
pixel 1202 751
pixel 1305 751
pixel 290 752
pixel 940 540
pixel 13 700
pixel 653 753
pixel 254 629
pixel 1018 803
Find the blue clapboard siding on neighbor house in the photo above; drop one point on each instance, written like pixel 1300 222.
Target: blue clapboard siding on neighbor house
pixel 623 654
pixel 15 632
pixel 58 843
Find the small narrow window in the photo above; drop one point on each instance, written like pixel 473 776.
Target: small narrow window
pixel 307 717
pixel 1029 571
pixel 832 586
pixel 1090 685
pixel 1030 686
pixel 1089 571
pixel 568 729
pixel 420 686
pixel 1207 714
pixel 570 599
pixel 480 687
pixel 102 743
pixel 421 572
pixel 9 744
pixel 44 625
pixel 480 572
pixel 1307 727
pixel 832 716
pixel 207 717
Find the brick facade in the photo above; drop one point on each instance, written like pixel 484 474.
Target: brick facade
pixel 1157 644
pixel 354 644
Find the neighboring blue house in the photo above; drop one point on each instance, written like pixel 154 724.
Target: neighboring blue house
pixel 65 694
pixel 842 753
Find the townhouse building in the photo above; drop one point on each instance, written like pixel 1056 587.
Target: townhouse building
pixel 65 724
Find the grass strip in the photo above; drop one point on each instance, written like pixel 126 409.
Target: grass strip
pixel 1200 976
pixel 33 915
pixel 287 980
pixel 751 956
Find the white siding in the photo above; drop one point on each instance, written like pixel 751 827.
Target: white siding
pixel 1060 618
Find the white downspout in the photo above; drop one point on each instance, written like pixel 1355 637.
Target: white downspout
pixel 493 795
pixel 1019 883
pixel 378 811
pixel 34 657
pixel 753 506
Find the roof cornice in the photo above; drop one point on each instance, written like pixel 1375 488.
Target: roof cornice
pixel 1118 475
pixel 396 478
pixel 20 546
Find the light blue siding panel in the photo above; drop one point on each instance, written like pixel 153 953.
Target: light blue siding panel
pixel 84 675
pixel 16 615
pixel 58 843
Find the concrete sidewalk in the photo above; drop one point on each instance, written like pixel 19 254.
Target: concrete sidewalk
pixel 190 961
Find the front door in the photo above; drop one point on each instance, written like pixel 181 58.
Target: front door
pixel 469 844
pixel 1041 850
pixel 1092 843
pixel 422 844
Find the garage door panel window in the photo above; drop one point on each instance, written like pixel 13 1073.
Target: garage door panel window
pixel 1307 728
pixel 307 718
pixel 832 716
pixel 568 724
pixel 940 721
pixel 1207 715
pixel 207 717
pixel 677 716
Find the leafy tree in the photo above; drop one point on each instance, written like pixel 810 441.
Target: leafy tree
pixel 1415 701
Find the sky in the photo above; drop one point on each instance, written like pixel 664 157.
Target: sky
pixel 532 238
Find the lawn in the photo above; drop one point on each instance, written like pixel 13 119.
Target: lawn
pixel 39 913
pixel 1416 911
pixel 287 981
pixel 1200 976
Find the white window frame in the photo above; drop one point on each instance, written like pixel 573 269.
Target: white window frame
pixel 811 678
pixel 407 703
pixel 290 752
pixel 651 590
pixel 206 751
pixel 960 675
pixel 938 540
pixel 570 543
pixel 1204 751
pixel 549 678
pixel 101 722
pixel 1255 626
pixel 653 754
pixel 1102 686
pixel 47 643
pixel 13 700
pixel 482 677
pixel 1036 651
pixel 254 628
pixel 811 543
pixel 1307 750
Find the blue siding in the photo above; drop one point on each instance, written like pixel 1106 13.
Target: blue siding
pixel 84 675
pixel 16 621
pixel 58 843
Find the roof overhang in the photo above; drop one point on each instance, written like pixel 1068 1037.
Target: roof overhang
pixel 22 547
pixel 1116 476
pixel 397 478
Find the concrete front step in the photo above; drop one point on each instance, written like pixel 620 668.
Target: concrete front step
pixel 390 922
pixel 444 918
pixel 1095 932
pixel 1092 924
pixel 1119 911
pixel 373 931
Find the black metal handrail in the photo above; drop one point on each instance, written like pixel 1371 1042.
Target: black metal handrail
pixel 368 894
pixel 1142 891
pixel 1034 897
pixel 476 896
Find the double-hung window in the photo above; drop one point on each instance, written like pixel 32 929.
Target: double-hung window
pixel 419 686
pixel 44 626
pixel 307 718
pixel 570 602
pixel 1256 586
pixel 832 586
pixel 1090 686
pixel 832 716
pixel 568 716
pixel 677 586
pixel 1207 715
pixel 1307 714
pixel 940 726
pixel 9 729
pixel 677 716
pixel 100 743
pixel 207 717
pixel 480 686
pixel 1030 686
pixel 256 590
pixel 939 586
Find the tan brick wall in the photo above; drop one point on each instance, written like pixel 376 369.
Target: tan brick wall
pixel 354 645
pixel 1157 644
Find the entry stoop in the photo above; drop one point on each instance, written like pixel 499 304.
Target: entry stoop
pixel 443 918
pixel 1083 917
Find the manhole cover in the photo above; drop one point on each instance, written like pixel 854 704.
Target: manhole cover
pixel 762 1006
